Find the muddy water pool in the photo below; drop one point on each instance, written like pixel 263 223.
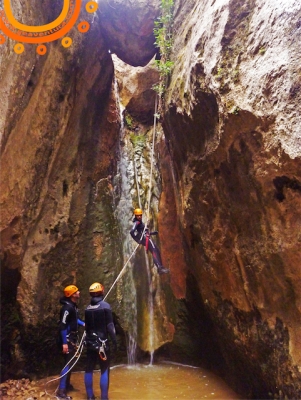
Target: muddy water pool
pixel 152 382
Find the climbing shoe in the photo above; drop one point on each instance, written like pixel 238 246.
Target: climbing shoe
pixel 62 394
pixel 162 270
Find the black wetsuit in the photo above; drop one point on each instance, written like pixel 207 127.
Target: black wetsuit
pixel 69 322
pixel 99 327
pixel 144 239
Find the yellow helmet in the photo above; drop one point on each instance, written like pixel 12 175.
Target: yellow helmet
pixel 138 211
pixel 70 290
pixel 96 287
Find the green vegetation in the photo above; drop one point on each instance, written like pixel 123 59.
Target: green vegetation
pixel 137 140
pixel 164 41
pixel 129 121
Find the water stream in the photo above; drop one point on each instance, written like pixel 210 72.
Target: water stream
pixel 150 312
pixel 126 290
pixel 132 174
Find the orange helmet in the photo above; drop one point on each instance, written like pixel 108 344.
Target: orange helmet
pixel 96 287
pixel 138 211
pixel 70 290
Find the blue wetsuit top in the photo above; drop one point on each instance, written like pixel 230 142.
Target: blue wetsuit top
pixel 69 320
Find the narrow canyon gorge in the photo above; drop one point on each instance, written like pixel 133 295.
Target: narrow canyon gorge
pixel 214 161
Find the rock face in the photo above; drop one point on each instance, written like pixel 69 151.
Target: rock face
pixel 60 126
pixel 55 185
pixel 232 124
pixel 127 28
pixel 225 194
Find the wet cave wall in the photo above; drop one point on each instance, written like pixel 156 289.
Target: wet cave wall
pixel 76 132
pixel 53 167
pixel 60 127
pixel 232 129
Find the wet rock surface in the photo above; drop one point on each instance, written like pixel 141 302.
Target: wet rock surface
pixel 226 194
pixel 128 29
pixel 234 163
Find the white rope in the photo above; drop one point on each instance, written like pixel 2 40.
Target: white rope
pixel 80 347
pixel 149 196
pixel 121 272
pixel 152 162
pixel 137 183
pixel 76 355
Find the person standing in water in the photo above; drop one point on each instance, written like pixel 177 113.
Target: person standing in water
pixel 69 322
pixel 142 236
pixel 99 327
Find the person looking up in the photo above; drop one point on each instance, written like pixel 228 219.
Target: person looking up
pixel 99 327
pixel 69 322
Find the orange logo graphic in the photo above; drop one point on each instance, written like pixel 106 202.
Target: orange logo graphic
pixel 10 27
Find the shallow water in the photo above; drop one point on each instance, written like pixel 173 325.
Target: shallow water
pixel 155 382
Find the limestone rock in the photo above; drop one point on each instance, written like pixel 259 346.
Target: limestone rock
pixel 128 29
pixel 226 185
pixel 136 89
pixel 232 125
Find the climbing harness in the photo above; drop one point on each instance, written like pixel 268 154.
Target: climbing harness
pixel 102 352
pixel 72 334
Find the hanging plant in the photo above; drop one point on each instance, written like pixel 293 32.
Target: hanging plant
pixel 164 40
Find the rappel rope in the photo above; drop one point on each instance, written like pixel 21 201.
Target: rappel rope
pixel 136 178
pixel 80 347
pixel 77 355
pixel 152 161
pixel 149 197
pixel 121 272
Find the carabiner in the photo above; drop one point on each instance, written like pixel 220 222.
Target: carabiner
pixel 102 353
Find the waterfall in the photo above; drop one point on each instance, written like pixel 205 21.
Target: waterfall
pixel 126 290
pixel 136 290
pixel 138 159
pixel 131 349
pixel 151 312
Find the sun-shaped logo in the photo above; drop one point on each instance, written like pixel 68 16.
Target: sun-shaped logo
pixel 40 34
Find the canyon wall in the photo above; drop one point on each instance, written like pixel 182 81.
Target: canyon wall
pixel 60 126
pixel 225 195
pixel 232 125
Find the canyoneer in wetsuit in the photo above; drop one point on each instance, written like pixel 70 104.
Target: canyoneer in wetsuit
pixel 69 322
pixel 143 236
pixel 99 327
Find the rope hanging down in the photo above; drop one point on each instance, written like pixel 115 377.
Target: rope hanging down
pixel 80 347
pixel 77 356
pixel 149 197
pixel 152 162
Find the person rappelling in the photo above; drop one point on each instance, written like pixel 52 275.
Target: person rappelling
pixel 142 236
